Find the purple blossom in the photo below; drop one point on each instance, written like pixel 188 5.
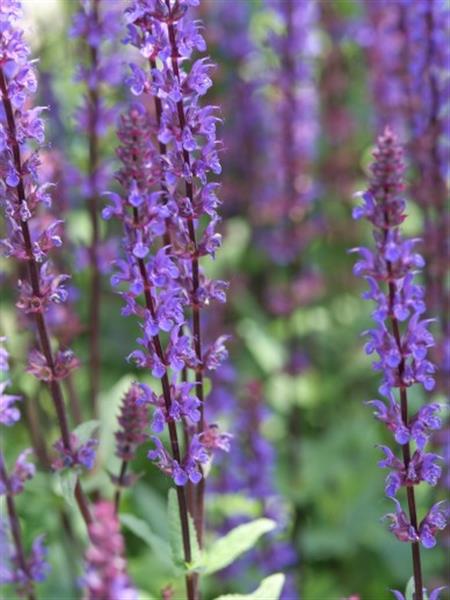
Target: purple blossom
pixel 190 467
pixel 105 574
pixel 23 471
pixel 9 414
pixel 421 467
pixel 400 525
pixel 435 520
pixel 79 454
pixel 434 594
pixel 12 572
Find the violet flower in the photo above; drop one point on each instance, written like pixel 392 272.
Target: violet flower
pixel 105 573
pixel 9 413
pixel 401 341
pixel 29 238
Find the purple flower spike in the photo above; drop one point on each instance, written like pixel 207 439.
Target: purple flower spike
pixel 168 211
pixel 401 341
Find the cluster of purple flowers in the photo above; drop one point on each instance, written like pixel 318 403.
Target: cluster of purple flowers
pixel 166 158
pixel 30 236
pixel 17 568
pixel 105 574
pixel 401 340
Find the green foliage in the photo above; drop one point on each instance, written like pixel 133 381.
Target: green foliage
pixel 269 589
pixel 228 548
pixel 159 547
pixel 66 482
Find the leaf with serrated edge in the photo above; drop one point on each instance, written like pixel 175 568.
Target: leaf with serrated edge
pixel 240 539
pixel 270 588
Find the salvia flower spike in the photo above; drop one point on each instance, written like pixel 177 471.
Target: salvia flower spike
pixel 401 341
pixel 30 238
pixel 165 165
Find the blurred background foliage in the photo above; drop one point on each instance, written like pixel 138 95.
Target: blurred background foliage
pixel 326 469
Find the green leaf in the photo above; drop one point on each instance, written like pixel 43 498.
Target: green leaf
pixel 240 539
pixel 409 591
pixel 269 589
pixel 86 430
pixel 176 535
pixel 67 481
pixel 141 529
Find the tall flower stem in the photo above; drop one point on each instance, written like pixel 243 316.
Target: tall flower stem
pixel 33 272
pixel 173 434
pixel 16 533
pixel 92 203
pixel 200 490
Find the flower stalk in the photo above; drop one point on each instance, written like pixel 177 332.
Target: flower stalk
pixel 401 340
pixel 21 195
